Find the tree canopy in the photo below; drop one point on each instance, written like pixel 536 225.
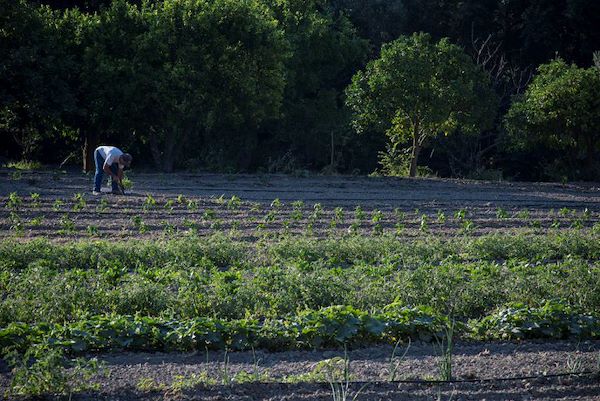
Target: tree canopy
pixel 260 85
pixel 561 110
pixel 418 89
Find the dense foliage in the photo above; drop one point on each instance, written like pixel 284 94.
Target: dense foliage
pixel 561 110
pixel 217 293
pixel 417 90
pixel 259 84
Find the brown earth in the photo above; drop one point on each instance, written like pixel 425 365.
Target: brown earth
pixel 533 207
pixel 490 371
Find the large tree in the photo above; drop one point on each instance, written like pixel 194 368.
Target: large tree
pixel 217 72
pixel 419 89
pixel 559 110
pixel 33 92
pixel 325 51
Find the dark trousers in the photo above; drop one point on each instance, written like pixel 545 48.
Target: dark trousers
pixel 100 172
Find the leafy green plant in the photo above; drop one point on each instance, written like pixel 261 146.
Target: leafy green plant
pixel 127 183
pixel 234 203
pixel 441 217
pixel 276 204
pixel 58 203
pixel 36 221
pixel 16 224
pixel 209 214
pixel 377 218
pixel 66 224
pixel 424 226
pixel 41 371
pixel 14 201
pixel 317 212
pixel 467 227
pixel 79 202
pixel 501 213
pixel 139 224
pixel 359 214
pixel 102 205
pixel 460 214
pixel 169 205
pixel 35 199
pixel 149 202
pixel 192 205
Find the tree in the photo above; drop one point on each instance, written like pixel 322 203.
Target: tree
pixel 33 93
pixel 559 110
pixel 325 51
pixel 216 70
pixel 417 90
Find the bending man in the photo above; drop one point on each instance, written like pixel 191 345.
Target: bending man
pixel 110 160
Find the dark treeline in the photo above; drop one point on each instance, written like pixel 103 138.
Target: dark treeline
pixel 320 85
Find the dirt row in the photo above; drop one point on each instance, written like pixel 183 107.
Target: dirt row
pixel 161 206
pixel 493 371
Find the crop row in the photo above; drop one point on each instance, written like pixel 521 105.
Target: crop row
pixel 80 216
pixel 328 327
pixel 220 278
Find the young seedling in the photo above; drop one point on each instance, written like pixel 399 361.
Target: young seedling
pixel 168 228
pixel 523 214
pixel 92 230
pixel 501 213
pixel 317 211
pixel 16 224
pixel 209 215
pixel 191 225
pixel 180 199
pixel 445 345
pixel 276 204
pixel 169 205
pixel 36 221
pixel 441 217
pixel 79 202
pixel 234 203
pixel 102 205
pixel 377 218
pixel 460 214
pixel 149 202
pixel 14 201
pixel 270 216
pixel 359 214
pixel 139 224
pixel 424 226
pixel 192 205
pixel 35 199
pixel 296 214
pixel 67 225
pixel 395 362
pixel 57 205
pixel 467 227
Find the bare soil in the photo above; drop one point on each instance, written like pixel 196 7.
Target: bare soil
pixel 490 371
pixel 488 207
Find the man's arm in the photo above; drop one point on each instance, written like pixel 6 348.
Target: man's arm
pixel 108 171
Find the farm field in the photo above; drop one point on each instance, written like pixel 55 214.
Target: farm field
pixel 199 286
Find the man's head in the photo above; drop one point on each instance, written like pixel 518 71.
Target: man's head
pixel 125 160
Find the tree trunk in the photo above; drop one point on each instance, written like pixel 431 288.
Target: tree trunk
pixel 589 159
pixel 89 146
pixel 416 149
